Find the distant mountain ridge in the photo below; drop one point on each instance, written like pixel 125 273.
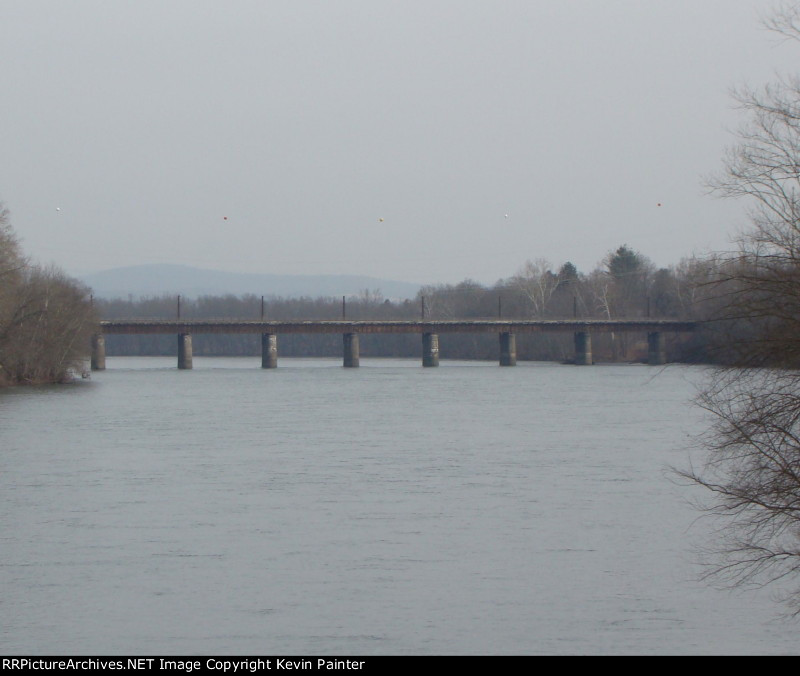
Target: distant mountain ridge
pixel 163 279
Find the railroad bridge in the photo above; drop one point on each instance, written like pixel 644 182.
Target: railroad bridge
pixel 428 329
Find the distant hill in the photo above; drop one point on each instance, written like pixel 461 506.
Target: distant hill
pixel 161 279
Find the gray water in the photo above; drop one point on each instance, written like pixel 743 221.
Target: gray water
pixel 383 510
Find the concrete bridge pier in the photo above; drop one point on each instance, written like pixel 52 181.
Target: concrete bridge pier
pixel 656 353
pixel 350 341
pixel 269 351
pixel 430 349
pixel 98 352
pixel 583 348
pixel 508 349
pixel 184 351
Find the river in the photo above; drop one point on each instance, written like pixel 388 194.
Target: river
pixel 384 510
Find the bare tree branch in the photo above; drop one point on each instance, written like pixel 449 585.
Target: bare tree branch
pixel 752 470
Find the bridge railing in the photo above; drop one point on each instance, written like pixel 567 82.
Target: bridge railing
pixel 348 307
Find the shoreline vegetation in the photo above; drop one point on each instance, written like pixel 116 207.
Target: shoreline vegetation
pixel 46 318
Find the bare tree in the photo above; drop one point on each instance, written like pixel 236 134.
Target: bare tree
pixel 753 471
pixel 537 282
pixel 753 461
pixel 12 264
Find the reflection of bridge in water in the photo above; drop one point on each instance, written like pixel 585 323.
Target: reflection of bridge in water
pixel 429 329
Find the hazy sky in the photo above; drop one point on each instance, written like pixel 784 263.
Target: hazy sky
pixel 267 136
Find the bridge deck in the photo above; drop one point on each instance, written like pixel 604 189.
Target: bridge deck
pixel 202 326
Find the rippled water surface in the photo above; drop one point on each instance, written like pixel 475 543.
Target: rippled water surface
pixel 388 509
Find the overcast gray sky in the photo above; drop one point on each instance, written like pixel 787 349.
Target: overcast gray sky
pixel 272 136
